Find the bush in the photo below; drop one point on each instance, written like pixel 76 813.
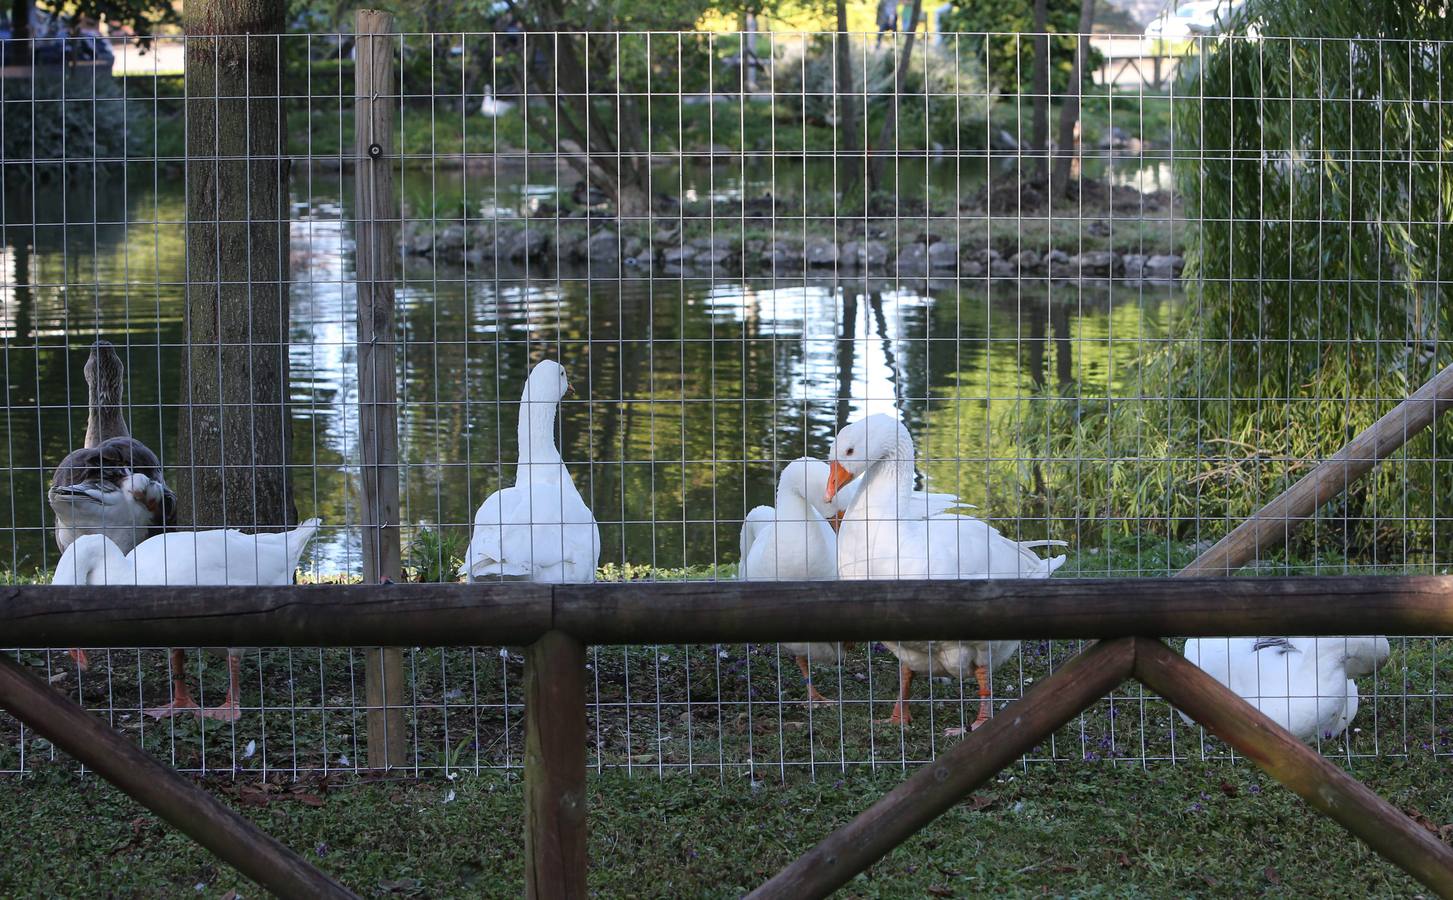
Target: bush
pixel 71 120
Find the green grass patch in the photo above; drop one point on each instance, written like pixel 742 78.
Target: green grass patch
pixel 1204 829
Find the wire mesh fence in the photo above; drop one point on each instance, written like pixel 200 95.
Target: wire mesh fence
pixel 736 244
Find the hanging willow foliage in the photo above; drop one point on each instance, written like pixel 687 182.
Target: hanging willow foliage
pixel 1313 164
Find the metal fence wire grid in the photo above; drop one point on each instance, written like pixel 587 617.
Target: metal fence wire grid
pixel 1119 303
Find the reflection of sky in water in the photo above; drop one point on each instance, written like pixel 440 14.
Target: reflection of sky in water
pixel 690 394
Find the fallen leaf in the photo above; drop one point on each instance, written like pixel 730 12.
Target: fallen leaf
pixel 1417 816
pixel 939 890
pixel 1272 875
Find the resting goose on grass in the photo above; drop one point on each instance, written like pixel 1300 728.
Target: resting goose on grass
pixel 539 529
pixel 1304 684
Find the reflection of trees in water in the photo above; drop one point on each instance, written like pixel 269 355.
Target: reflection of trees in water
pixel 697 392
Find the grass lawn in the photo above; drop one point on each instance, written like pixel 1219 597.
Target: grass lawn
pixel 1078 829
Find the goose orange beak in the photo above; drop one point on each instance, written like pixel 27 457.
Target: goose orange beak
pixel 837 477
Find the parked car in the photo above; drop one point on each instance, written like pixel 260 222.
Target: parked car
pixel 1197 17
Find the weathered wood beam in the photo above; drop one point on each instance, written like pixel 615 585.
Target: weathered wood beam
pixel 555 826
pixel 452 615
pixel 285 616
pixel 939 785
pixel 1324 785
pixel 186 806
pixel 376 210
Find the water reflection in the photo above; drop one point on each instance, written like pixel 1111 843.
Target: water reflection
pixel 690 392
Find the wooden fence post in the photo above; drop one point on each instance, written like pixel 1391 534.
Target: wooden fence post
pixel 555 828
pixel 376 246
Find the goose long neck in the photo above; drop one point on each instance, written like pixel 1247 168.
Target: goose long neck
pixel 537 433
pixel 111 566
pixel 889 480
pixel 103 415
pixel 793 508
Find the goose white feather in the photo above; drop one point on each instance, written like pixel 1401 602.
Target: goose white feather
pixel 886 534
pixel 216 557
pixel 492 108
pixel 1304 684
pixel 539 529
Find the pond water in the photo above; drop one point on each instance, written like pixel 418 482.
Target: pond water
pixel 690 393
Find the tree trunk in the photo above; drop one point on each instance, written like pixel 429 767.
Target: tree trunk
pixel 850 157
pixel 886 144
pixel 611 156
pixel 234 429
pixel 20 18
pixel 1069 114
pixel 1041 91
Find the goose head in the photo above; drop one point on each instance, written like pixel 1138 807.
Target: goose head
pixel 805 480
pixel 1365 655
pixel 91 559
pixel 105 380
pixel 862 444
pixel 104 372
pixel 547 383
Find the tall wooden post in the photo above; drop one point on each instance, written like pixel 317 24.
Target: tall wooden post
pixel 376 246
pixel 555 833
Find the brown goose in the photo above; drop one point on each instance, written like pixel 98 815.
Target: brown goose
pixel 113 485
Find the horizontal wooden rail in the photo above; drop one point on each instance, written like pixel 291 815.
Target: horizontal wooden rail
pixel 694 612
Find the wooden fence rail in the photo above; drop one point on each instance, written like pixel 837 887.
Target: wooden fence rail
pixel 457 615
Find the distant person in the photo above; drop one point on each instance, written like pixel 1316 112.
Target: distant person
pixel 887 18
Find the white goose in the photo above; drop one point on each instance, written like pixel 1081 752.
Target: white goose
pixel 113 485
pixel 491 108
pixel 539 529
pixel 216 557
pixel 1303 684
pixel 797 541
pixel 886 535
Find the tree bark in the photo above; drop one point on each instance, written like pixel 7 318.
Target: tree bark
pixel 234 429
pixel 1069 114
pixel 1041 90
pixel 20 18
pixel 890 120
pixel 850 157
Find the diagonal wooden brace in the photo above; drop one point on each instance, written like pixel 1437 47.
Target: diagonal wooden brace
pixel 193 811
pixel 1327 787
pixel 954 775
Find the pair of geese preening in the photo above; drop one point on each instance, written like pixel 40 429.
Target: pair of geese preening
pixel 856 516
